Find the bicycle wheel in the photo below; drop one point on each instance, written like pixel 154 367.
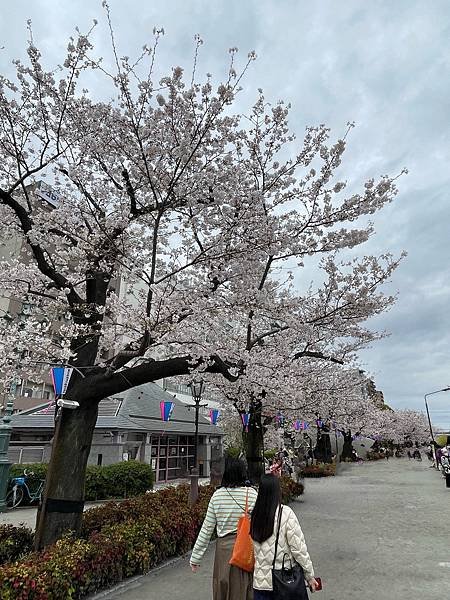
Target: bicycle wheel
pixel 14 497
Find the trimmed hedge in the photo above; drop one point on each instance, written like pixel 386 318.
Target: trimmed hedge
pixel 270 454
pixel 120 480
pixel 232 452
pixel 373 455
pixel 15 542
pixel 320 470
pixel 119 541
pixel 290 489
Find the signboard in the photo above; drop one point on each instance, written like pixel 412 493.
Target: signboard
pixel 46 193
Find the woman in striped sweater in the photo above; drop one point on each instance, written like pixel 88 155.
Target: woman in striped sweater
pixel 226 506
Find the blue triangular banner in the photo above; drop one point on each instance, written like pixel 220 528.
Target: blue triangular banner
pixel 61 377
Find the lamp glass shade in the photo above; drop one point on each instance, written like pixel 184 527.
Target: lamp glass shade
pixel 197 388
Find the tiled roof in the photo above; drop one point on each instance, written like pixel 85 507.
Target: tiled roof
pixel 137 409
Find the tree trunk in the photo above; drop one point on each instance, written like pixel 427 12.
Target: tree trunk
pixel 348 445
pixel 63 502
pixel 322 451
pixel 63 499
pixel 253 443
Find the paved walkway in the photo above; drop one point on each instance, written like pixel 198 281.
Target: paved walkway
pixel 378 531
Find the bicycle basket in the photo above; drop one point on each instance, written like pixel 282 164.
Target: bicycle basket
pixel 19 480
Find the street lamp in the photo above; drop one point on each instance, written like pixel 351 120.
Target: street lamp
pixel 197 387
pixel 446 389
pixel 5 437
pixel 5 464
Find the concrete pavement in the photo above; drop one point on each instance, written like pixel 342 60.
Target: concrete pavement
pixel 378 531
pixel 27 515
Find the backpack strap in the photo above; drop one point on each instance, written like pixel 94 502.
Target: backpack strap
pixel 280 510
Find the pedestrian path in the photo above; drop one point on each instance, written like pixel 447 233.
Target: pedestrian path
pixel 378 531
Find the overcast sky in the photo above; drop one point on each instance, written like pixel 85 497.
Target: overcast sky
pixel 384 65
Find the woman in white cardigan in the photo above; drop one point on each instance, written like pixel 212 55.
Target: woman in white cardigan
pixel 263 531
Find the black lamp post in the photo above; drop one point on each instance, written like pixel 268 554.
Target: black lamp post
pixel 446 389
pixel 197 387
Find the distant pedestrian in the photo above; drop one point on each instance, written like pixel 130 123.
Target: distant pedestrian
pixel 409 454
pixel 269 517
pixel 225 508
pixel 277 466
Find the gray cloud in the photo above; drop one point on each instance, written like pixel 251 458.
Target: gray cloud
pixel 383 64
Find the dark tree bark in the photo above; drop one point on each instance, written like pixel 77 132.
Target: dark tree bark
pixel 348 445
pixel 63 501
pixel 322 451
pixel 253 442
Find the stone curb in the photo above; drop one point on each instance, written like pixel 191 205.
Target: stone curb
pixel 128 583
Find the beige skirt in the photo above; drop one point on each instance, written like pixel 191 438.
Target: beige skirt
pixel 229 582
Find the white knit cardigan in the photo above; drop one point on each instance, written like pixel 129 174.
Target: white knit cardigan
pixel 291 542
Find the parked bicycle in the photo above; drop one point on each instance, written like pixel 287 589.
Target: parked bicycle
pixel 21 490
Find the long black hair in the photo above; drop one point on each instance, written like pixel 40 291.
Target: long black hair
pixel 263 515
pixel 235 473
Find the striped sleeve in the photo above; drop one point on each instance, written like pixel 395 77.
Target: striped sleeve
pixel 204 537
pixel 252 496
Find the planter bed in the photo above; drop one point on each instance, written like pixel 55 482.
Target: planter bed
pixel 322 470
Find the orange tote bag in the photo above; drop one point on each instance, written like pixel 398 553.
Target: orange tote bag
pixel 243 554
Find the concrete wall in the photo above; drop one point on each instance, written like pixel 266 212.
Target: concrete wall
pixel 110 454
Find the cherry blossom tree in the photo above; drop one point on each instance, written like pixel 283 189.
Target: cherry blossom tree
pixel 174 243
pixel 407 426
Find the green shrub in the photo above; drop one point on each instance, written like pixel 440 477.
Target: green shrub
pixel 119 541
pixel 125 479
pixel 442 440
pixel 15 542
pixel 68 570
pixel 320 470
pixel 95 487
pixel 270 454
pixel 373 455
pixel 290 489
pixel 232 452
